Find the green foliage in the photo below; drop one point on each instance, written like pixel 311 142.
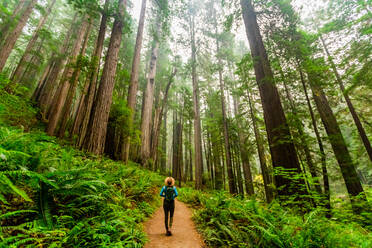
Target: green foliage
pixel 226 221
pixel 14 110
pixel 55 196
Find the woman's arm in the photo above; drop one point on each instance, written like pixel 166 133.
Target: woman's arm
pixel 162 193
pixel 175 192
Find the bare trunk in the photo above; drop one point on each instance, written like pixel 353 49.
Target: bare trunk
pixel 358 123
pixel 92 78
pixel 327 194
pixel 304 144
pixel 353 185
pixel 159 116
pixel 133 85
pixel 41 84
pixel 64 85
pixel 51 82
pixel 148 104
pixel 9 42
pixel 282 149
pixel 72 86
pixel 96 135
pixel 197 123
pixel 261 154
pixel 244 153
pixel 25 57
pixel 190 154
pixel 9 23
pixel 163 162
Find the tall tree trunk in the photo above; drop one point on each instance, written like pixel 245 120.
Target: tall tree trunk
pixel 174 145
pixel 353 185
pixel 238 167
pixel 179 152
pixel 92 79
pixel 261 153
pixel 96 134
pixel 212 160
pixel 133 85
pixel 190 153
pixel 163 162
pixel 67 79
pixel 197 123
pixel 51 82
pixel 218 170
pixel 304 144
pixel 158 122
pixel 283 154
pixel 327 194
pixel 230 176
pixel 8 23
pixel 358 123
pixel 66 112
pixel 9 42
pixel 35 96
pixel 244 153
pixel 148 103
pixel 25 57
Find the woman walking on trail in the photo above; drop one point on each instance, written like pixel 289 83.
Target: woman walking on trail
pixel 169 192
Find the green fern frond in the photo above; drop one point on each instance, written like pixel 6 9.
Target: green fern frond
pixel 14 213
pixel 7 182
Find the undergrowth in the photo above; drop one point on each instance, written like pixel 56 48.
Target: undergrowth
pixel 52 196
pixel 226 221
pixel 16 111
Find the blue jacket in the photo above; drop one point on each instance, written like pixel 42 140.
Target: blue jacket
pixel 162 192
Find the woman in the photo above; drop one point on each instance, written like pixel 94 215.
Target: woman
pixel 169 192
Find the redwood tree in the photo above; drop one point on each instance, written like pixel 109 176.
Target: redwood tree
pixel 282 149
pixel 96 134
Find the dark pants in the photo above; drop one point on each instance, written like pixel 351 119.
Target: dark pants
pixel 168 207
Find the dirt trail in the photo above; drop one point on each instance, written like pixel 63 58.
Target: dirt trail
pixel 183 230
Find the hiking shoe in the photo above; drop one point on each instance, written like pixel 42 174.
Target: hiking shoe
pixel 168 233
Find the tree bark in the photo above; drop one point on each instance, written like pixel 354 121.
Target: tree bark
pixel 304 144
pixel 25 57
pixel 67 79
pixel 358 123
pixel 244 153
pixel 197 123
pixel 9 42
pixel 133 85
pixel 261 154
pixel 96 135
pixel 230 176
pixel 327 194
pixel 190 154
pixel 282 149
pixel 163 162
pixel 92 79
pixel 353 185
pixel 66 111
pixel 51 82
pixel 148 103
pixel 158 122
pixel 13 18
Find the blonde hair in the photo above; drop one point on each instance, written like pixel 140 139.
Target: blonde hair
pixel 169 181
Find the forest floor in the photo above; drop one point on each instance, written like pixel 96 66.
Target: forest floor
pixel 183 230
